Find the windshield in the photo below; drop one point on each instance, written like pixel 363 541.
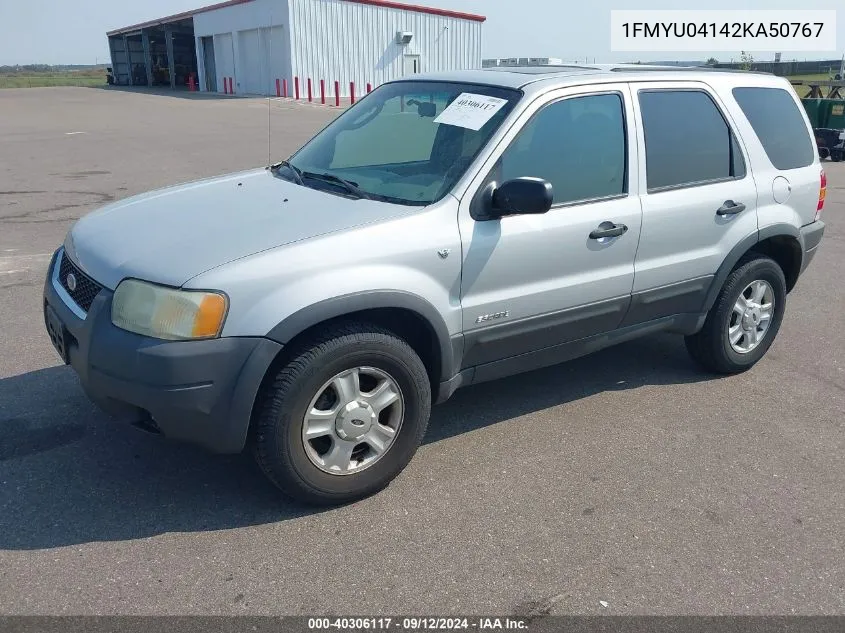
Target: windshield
pixel 405 142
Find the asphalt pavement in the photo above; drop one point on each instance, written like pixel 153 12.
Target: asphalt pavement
pixel 627 482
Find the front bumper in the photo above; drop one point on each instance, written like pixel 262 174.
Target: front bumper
pixel 811 237
pixel 195 391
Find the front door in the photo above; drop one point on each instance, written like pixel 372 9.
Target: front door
pixel 535 281
pixel 412 64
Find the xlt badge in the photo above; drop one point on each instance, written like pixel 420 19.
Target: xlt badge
pixel 491 317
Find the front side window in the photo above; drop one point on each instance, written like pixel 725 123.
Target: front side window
pixel 406 142
pixel 576 144
pixel 687 141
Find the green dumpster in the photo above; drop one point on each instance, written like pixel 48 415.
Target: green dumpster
pixel 813 108
pixel 836 114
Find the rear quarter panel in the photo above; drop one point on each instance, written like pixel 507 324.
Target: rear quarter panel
pixel 800 207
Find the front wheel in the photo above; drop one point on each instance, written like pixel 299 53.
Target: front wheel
pixel 344 416
pixel 745 319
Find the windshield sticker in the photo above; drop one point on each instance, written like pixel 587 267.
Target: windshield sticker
pixel 471 111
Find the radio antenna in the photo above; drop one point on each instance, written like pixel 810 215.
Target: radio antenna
pixel 267 87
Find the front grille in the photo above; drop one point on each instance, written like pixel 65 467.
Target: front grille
pixel 86 288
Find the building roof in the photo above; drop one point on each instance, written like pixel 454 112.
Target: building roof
pixel 421 9
pixel 390 4
pixel 176 17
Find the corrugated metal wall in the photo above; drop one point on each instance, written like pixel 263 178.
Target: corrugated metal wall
pixel 334 40
pixel 344 41
pixel 247 41
pixel 121 64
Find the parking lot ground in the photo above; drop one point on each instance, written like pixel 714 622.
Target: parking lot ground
pixel 628 478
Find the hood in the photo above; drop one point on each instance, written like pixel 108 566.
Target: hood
pixel 172 235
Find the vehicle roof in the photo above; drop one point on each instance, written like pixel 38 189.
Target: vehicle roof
pixel 552 76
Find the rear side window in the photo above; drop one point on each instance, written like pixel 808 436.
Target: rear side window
pixel 687 141
pixel 778 124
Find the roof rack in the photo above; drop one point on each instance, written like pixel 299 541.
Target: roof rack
pixel 550 67
pixel 647 68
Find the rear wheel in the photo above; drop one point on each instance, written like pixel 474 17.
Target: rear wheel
pixel 344 416
pixel 745 319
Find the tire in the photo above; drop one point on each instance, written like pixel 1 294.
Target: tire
pixel 281 450
pixel 711 347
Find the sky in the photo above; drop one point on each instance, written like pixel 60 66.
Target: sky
pixel 74 31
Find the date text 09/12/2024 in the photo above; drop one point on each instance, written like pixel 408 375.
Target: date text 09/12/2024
pixel 416 624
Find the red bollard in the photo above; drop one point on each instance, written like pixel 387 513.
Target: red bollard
pixel 337 93
pixel 351 92
pixel 369 88
pixel 296 88
pixel 309 90
pixel 323 91
pixel 278 88
pixel 285 88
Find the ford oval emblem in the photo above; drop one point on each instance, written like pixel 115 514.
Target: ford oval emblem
pixel 71 282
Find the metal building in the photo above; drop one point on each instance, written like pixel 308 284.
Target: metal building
pixel 500 62
pixel 272 47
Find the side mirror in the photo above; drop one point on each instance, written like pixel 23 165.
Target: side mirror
pixel 424 108
pixel 427 109
pixel 522 196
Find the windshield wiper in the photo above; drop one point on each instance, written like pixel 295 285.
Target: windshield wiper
pixel 350 186
pixel 296 171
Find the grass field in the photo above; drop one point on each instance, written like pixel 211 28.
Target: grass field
pixel 41 80
pixel 804 90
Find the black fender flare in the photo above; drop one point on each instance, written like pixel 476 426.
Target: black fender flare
pixel 741 249
pixel 451 347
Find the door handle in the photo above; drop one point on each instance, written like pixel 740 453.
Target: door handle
pixel 730 208
pixel 608 229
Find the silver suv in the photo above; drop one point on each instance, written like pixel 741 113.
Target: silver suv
pixel 446 230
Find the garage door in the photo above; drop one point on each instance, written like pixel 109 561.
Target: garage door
pixel 276 52
pixel 251 62
pixel 224 55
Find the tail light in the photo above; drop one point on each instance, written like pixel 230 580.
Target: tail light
pixel 822 194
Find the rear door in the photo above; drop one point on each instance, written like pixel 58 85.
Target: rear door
pixel 698 197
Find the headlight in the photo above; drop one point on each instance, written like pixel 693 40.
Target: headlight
pixel 168 313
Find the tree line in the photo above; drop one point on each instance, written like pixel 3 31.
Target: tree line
pixel 46 68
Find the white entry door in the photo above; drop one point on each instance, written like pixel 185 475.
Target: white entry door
pixel 252 63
